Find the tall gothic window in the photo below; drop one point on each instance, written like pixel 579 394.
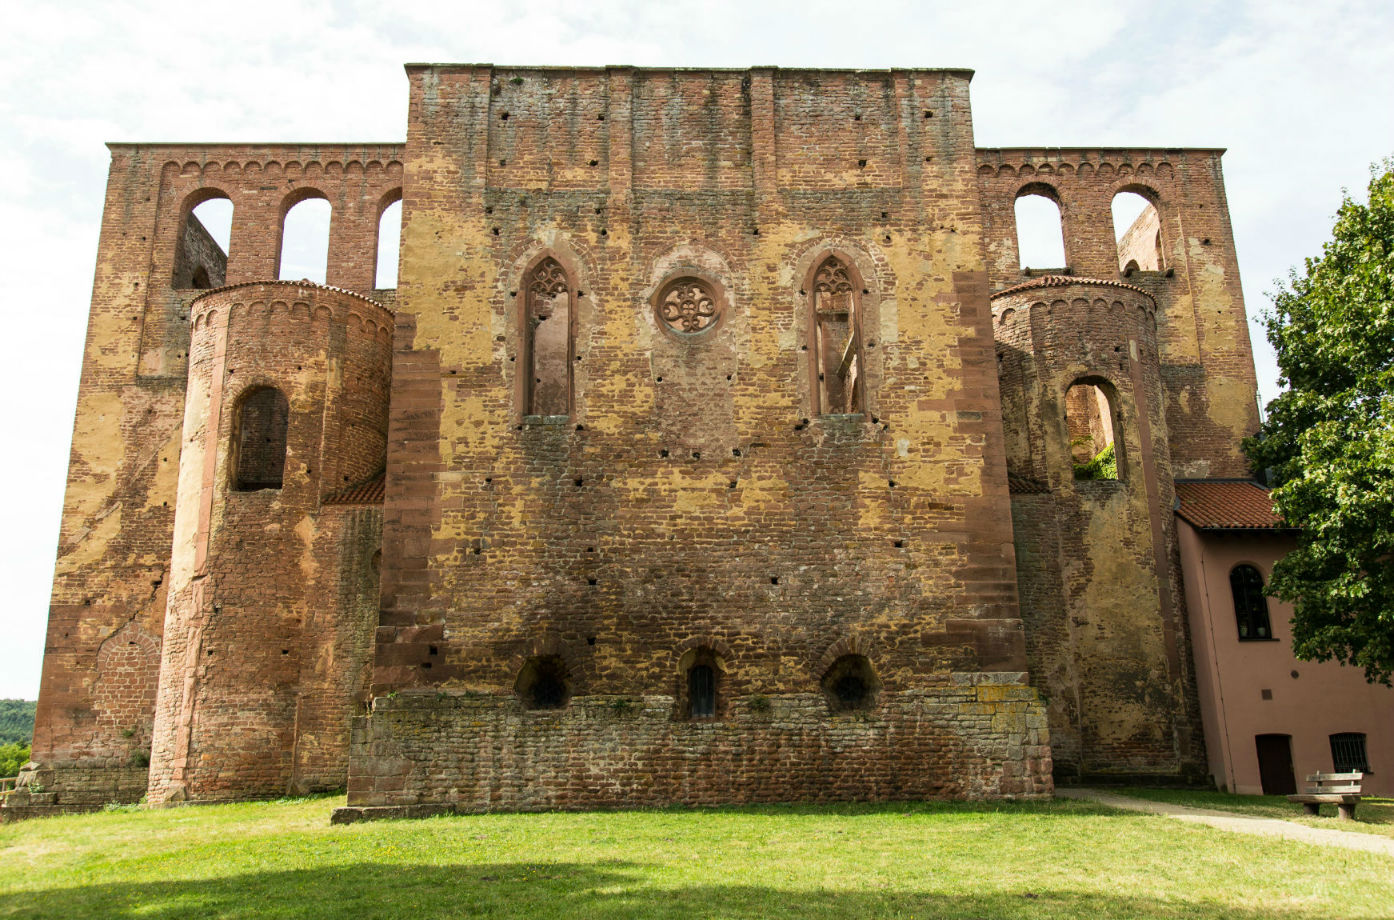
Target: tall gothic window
pixel 835 340
pixel 1250 606
pixel 547 340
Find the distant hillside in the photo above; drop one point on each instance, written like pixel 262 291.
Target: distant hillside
pixel 16 721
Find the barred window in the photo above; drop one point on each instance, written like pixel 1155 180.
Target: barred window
pixel 701 691
pixel 1250 606
pixel 1348 753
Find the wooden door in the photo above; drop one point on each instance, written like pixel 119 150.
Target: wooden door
pixel 1275 764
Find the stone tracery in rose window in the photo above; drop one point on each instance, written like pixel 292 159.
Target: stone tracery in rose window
pixel 688 305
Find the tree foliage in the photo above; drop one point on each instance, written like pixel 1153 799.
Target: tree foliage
pixel 12 757
pixel 16 721
pixel 1329 439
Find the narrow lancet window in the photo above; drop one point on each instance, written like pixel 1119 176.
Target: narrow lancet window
pixel 836 340
pixel 701 691
pixel 548 340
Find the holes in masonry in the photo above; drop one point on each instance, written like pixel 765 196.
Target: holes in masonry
pixel 899 544
pixel 503 116
pixel 285 651
pixel 488 209
pixel 731 484
pixel 600 117
pixel 857 117
pixel 496 231
pixel 735 451
pixel 592 582
pixel 580 482
pixel 432 650
pixel 928 114
pixel 590 640
pixel 658 380
pixel 663 453
pixel 774 579
pixel 604 232
pixel 503 162
pixel 890 483
pixel 594 163
pixel 861 164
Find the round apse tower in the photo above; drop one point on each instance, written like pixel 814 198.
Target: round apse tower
pixel 286 404
pixel 1084 419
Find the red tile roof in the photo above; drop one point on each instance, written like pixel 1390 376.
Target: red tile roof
pixel 1219 504
pixel 1046 281
pixel 369 492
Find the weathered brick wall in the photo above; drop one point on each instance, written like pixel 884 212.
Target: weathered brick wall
pixel 692 499
pixel 1096 560
pixel 973 738
pixel 1207 364
pixel 265 636
pixel 114 546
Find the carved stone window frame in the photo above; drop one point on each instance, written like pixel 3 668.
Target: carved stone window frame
pixel 860 297
pixel 721 303
pixel 523 389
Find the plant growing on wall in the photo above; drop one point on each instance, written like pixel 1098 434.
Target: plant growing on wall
pixel 1329 439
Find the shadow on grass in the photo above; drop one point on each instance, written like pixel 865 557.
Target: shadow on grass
pixel 595 891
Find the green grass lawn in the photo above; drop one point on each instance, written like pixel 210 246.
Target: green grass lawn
pixel 1372 815
pixel 1047 860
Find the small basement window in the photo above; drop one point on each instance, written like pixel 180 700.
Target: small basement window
pixel 543 683
pixel 850 684
pixel 1348 753
pixel 701 692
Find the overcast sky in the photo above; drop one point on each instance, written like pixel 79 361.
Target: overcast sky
pixel 1299 92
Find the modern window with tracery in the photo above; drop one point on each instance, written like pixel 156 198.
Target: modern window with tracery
pixel 1250 605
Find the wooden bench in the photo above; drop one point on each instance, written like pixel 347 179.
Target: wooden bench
pixel 1339 789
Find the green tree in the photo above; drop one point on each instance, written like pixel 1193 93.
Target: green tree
pixel 1329 439
pixel 12 757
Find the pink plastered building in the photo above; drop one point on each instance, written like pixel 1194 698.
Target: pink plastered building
pixel 1270 720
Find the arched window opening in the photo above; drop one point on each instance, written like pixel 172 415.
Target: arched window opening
pixel 1348 753
pixel 1250 606
pixel 850 684
pixel 305 241
pixel 547 339
pixel 701 690
pixel 389 245
pixel 1091 423
pixel 200 258
pixel 260 440
pixel 1040 233
pixel 1137 227
pixel 835 331
pixel 543 683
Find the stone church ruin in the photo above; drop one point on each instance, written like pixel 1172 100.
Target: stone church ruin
pixel 714 446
